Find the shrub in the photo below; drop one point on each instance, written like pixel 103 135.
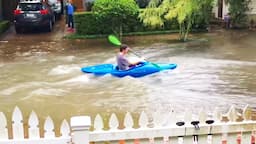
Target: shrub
pixel 4 25
pixel 116 14
pixel 238 9
pixel 87 23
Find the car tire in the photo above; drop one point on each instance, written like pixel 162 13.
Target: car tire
pixel 18 30
pixel 53 19
pixel 58 16
pixel 50 26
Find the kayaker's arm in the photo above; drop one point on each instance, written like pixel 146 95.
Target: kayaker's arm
pixel 135 63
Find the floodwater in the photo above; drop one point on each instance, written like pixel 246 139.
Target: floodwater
pixel 41 72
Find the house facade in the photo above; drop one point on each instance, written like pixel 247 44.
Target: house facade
pixel 80 5
pixel 252 13
pixel 221 9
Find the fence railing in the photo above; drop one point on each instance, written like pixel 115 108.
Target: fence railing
pixel 169 127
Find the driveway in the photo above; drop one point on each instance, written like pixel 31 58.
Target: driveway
pixel 32 41
pixel 56 34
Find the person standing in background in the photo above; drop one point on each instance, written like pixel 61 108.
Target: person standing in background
pixel 70 9
pixel 227 20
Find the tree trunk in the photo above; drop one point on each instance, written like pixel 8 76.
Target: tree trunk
pixel 188 28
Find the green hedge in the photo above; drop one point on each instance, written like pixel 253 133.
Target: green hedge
pixel 4 25
pixel 87 24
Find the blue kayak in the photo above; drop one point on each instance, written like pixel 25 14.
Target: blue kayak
pixel 140 70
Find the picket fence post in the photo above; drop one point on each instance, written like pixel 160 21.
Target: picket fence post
pixel 80 126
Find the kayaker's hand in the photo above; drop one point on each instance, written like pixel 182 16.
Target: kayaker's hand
pixel 142 59
pixel 140 63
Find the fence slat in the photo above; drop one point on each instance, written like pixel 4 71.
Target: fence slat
pixel 216 139
pixel 217 116
pixel 169 119
pixel 98 123
pixel 128 121
pixel 202 139
pixel 232 114
pixel 49 128
pixel 166 140
pixel 113 122
pixel 143 120
pixel 33 126
pixel 3 127
pixel 158 119
pixel 232 138
pixel 246 138
pixel 202 116
pixel 247 113
pixel 187 117
pixel 17 125
pixel 187 140
pixel 65 129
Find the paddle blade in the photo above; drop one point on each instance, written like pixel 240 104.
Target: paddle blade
pixel 114 40
pixel 156 65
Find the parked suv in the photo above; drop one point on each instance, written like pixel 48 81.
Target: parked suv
pixel 33 13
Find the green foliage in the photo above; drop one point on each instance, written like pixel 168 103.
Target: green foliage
pixel 87 23
pixel 204 15
pixel 89 26
pixel 152 15
pixel 116 13
pixel 186 12
pixel 238 9
pixel 4 25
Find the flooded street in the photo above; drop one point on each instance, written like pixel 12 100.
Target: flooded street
pixel 41 72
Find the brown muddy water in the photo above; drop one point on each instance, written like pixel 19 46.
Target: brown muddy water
pixel 42 73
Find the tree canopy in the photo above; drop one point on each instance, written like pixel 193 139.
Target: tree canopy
pixel 184 11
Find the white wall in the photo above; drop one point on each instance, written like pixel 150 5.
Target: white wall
pixel 225 9
pixel 253 7
pixel 215 9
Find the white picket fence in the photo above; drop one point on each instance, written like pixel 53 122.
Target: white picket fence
pixel 160 128
pixel 17 131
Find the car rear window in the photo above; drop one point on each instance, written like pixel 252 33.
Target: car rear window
pixel 30 6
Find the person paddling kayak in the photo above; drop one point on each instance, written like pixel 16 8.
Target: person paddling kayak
pixel 122 62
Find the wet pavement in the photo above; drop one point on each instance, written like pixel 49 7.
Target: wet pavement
pixel 36 40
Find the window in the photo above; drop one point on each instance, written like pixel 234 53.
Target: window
pixel 30 6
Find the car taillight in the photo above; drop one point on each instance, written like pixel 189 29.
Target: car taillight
pixel 44 12
pixel 17 12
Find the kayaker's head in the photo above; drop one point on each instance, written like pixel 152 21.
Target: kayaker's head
pixel 124 48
